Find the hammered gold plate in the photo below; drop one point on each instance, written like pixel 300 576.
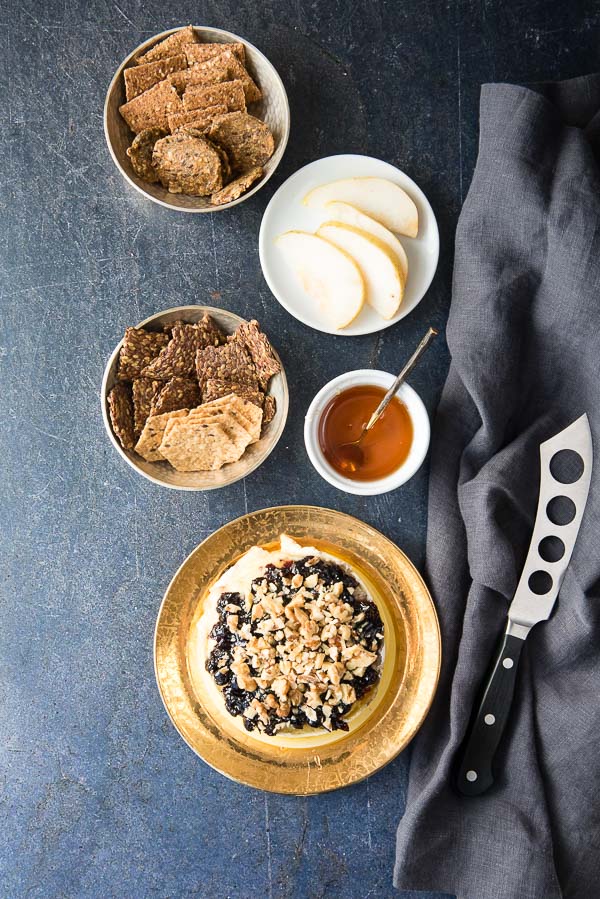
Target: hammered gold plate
pixel 385 723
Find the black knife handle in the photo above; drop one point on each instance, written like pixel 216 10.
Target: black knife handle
pixel 474 774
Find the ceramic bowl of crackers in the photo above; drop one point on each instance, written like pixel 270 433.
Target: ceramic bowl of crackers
pixel 194 398
pixel 197 119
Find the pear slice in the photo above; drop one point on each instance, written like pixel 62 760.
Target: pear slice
pixel 350 215
pixel 328 275
pixel 378 265
pixel 383 200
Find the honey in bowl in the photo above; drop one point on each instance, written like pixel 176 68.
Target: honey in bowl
pixel 384 447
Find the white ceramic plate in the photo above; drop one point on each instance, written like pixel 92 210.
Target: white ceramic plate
pixel 286 212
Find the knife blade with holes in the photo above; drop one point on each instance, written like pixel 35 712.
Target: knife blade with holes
pixel 566 470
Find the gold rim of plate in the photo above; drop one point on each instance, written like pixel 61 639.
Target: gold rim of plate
pixel 389 718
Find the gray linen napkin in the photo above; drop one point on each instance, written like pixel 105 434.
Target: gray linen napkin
pixel 524 334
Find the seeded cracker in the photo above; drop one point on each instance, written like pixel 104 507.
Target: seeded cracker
pixel 178 357
pixel 236 71
pixel 180 81
pixel 215 70
pixel 269 409
pixel 261 351
pixel 152 435
pixel 139 78
pixel 223 67
pixel 188 164
pixel 120 409
pixel 236 188
pixel 197 118
pixel 226 363
pixel 215 388
pixel 170 46
pixel 139 348
pixel 201 52
pixel 144 390
pixel 152 108
pixel 229 94
pixel 247 140
pixel 173 417
pixel 245 413
pixel 198 446
pixel 140 153
pixel 178 393
pixel 225 166
pixel 249 415
pixel 209 333
pixel 229 419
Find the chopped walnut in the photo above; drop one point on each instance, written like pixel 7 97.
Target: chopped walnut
pixel 301 647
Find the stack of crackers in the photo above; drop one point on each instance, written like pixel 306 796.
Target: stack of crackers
pixel 187 105
pixel 191 395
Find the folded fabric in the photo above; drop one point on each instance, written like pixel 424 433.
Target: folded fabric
pixel 524 335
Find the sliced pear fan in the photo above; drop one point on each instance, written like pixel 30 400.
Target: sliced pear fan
pixel 350 215
pixel 378 265
pixel 328 275
pixel 383 200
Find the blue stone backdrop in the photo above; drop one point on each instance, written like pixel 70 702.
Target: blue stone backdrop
pixel 99 795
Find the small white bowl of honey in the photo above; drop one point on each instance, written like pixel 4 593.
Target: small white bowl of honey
pixel 392 450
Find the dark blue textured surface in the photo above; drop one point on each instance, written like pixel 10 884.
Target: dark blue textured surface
pixel 99 795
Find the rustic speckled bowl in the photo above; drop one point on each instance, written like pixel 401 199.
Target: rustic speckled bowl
pixel 161 472
pixel 273 109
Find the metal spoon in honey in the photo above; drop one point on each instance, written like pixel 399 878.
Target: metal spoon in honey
pixel 350 456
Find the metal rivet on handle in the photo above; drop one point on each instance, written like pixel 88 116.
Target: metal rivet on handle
pixel 490 719
pixel 471 776
pixel 508 663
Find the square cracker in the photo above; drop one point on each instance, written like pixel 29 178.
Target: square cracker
pixel 178 393
pixel 228 363
pixel 246 413
pixel 216 387
pixel 198 446
pixel 228 93
pixel 139 348
pixel 140 78
pixel 152 108
pixel 152 435
pixel 179 356
pixel 170 45
pixel 215 70
pixel 196 118
pixel 180 81
pixel 229 420
pixel 200 52
pixel 225 66
pixel 236 71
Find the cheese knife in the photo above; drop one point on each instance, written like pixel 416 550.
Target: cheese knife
pixel 566 469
